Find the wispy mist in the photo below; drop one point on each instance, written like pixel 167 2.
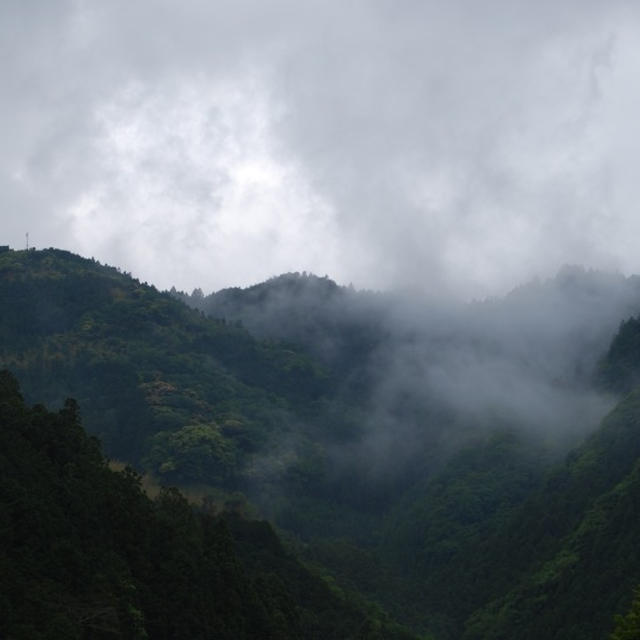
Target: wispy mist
pixel 442 146
pixel 421 377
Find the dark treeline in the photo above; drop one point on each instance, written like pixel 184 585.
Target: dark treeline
pixel 86 554
pixel 471 469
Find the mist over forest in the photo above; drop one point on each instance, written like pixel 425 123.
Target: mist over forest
pixel 528 360
pixel 203 436
pixel 389 443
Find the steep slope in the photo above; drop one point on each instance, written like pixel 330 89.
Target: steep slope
pixel 571 551
pixel 573 546
pixel 84 553
pixel 191 399
pixel 500 544
pixel 538 558
pixel 620 368
pixel 437 533
pixel 412 464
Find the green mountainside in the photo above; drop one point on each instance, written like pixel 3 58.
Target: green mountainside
pixel 572 547
pixel 338 325
pixel 450 465
pixel 162 387
pixel 84 553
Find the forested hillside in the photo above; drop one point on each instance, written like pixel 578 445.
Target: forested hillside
pixel 86 554
pixel 158 383
pixel 471 469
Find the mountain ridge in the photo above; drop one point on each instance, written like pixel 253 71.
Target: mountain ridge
pixel 414 447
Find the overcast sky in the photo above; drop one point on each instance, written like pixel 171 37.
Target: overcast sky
pixel 449 145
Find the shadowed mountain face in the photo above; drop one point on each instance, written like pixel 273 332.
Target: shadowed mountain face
pixel 403 443
pixel 86 554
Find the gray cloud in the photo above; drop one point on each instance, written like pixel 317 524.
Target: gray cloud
pixel 436 145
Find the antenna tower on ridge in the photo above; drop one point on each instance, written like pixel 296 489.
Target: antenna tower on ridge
pixel 27 234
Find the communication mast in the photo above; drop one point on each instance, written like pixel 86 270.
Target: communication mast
pixel 27 234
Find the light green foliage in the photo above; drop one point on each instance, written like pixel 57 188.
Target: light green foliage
pixel 628 626
pixel 195 453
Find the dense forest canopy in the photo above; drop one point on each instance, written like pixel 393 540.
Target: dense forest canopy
pixel 466 470
pixel 86 554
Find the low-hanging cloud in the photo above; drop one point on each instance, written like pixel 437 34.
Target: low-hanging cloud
pixel 420 378
pixel 433 145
